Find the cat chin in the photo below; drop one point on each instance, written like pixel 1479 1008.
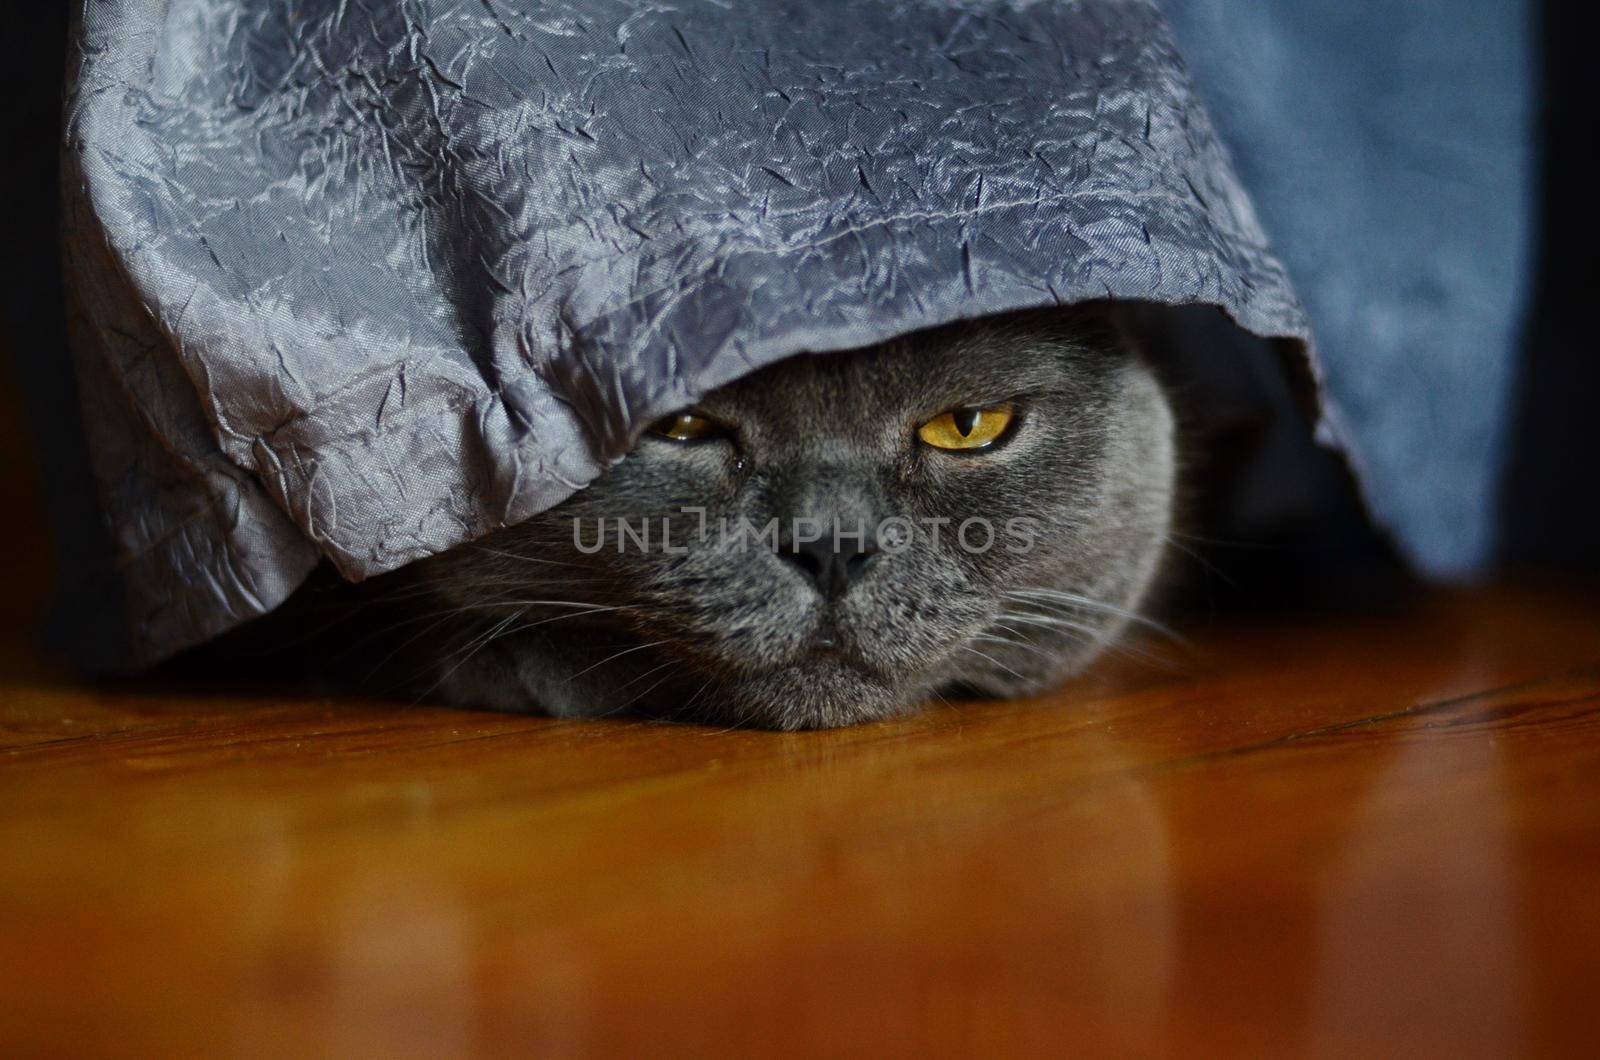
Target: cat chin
pixel 817 693
pixel 819 690
pixel 807 687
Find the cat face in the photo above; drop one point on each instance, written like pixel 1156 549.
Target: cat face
pixel 836 538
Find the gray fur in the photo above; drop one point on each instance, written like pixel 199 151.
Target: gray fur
pixel 729 633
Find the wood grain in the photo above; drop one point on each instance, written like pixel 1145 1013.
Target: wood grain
pixel 1331 835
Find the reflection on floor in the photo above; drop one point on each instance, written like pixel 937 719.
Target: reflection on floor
pixel 1313 834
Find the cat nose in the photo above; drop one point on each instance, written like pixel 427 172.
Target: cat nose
pixel 831 564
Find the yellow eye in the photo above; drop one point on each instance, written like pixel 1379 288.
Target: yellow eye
pixel 970 428
pixel 685 427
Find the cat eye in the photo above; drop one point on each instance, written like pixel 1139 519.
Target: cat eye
pixel 968 428
pixel 686 427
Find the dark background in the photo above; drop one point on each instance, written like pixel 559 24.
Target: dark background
pixel 1552 496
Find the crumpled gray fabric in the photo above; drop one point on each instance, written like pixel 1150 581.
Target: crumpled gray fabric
pixel 364 281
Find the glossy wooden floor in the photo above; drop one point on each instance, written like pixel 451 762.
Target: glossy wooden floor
pixel 1337 836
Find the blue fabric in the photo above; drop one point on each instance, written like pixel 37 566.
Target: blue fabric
pixel 1389 150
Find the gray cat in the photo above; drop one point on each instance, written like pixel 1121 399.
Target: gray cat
pixel 979 508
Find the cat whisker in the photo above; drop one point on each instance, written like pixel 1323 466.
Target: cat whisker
pixel 517 585
pixel 957 711
pixel 438 617
pixel 518 602
pixel 472 648
pixel 1147 657
pixel 562 618
pixel 1056 599
pixel 437 621
pixel 650 687
pixel 640 677
pixel 1086 635
pixel 993 661
pixel 1014 643
pixel 484 637
pixel 495 604
pixel 518 558
pixel 1110 644
pixel 692 700
pixel 1077 599
pixel 1016 634
pixel 1060 599
pixel 1028 618
pixel 502 629
pixel 618 655
pixel 1194 554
